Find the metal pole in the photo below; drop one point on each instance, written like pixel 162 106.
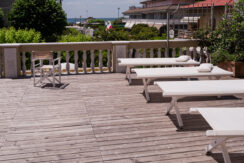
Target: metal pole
pixel 118 12
pixel 226 10
pixel 212 17
pixel 167 49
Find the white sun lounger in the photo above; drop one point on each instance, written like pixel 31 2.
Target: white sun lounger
pixel 180 89
pixel 133 62
pixel 226 123
pixel 150 74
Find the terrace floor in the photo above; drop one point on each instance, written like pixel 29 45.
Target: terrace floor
pixel 99 118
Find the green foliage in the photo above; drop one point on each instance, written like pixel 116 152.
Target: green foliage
pixel 118 22
pixel 71 31
pixel 163 37
pixel 73 35
pixel 102 34
pixel 74 38
pixel 19 36
pixel 46 17
pixel 138 32
pixel 143 32
pixel 96 21
pixel 1 18
pixel 226 43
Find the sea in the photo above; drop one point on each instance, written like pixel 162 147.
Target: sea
pixel 74 20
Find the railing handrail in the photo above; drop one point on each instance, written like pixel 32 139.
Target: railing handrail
pixel 99 54
pixel 93 42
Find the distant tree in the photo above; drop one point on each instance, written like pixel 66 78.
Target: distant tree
pixel 103 34
pixel 1 18
pixel 144 32
pixel 45 16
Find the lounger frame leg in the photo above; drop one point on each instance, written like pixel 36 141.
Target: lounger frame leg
pixel 146 82
pixel 128 74
pixel 172 105
pixel 219 142
pixel 225 153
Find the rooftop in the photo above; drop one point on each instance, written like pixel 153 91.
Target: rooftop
pixel 150 9
pixel 99 118
pixel 206 3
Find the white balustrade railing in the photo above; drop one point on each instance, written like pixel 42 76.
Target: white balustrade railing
pixel 92 57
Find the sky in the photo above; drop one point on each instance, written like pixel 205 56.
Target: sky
pixel 97 8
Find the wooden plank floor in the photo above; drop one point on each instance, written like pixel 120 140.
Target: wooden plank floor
pixel 99 118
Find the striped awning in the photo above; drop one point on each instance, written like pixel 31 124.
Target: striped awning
pixel 190 19
pixel 158 26
pixel 129 25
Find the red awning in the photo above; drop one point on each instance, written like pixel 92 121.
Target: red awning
pixel 209 3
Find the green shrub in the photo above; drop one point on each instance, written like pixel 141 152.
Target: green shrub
pixel 45 16
pixel 1 18
pixel 74 37
pixel 71 31
pixel 115 34
pixel 99 21
pixel 12 35
pixel 144 32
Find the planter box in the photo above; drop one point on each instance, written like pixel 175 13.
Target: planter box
pixel 236 67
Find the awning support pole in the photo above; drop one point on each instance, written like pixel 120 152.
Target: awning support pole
pixel 167 49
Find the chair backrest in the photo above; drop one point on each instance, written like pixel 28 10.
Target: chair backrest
pixel 42 55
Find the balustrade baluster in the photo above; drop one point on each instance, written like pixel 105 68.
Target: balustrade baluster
pixel 144 53
pixel 32 66
pixel 84 61
pixel 131 53
pixel 109 60
pixel 67 62
pixel 174 53
pixel 188 51
pixel 23 63
pixel 181 52
pixel 101 60
pixel 159 52
pixel 151 53
pixel 194 53
pixel 137 53
pixel 59 56
pixel 76 62
pixel 166 55
pixel 92 61
pixel 201 55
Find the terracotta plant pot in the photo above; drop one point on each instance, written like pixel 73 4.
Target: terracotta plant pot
pixel 236 67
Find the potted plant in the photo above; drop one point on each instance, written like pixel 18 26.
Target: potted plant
pixel 229 61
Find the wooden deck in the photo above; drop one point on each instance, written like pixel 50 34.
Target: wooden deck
pixel 99 118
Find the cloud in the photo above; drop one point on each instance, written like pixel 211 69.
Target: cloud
pixel 97 8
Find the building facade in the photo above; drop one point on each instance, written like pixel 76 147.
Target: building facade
pixel 185 15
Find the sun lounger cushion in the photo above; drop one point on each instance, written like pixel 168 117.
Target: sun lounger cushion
pixel 205 67
pixel 183 58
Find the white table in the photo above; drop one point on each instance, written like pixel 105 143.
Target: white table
pixel 180 89
pixel 226 123
pixel 149 74
pixel 133 62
